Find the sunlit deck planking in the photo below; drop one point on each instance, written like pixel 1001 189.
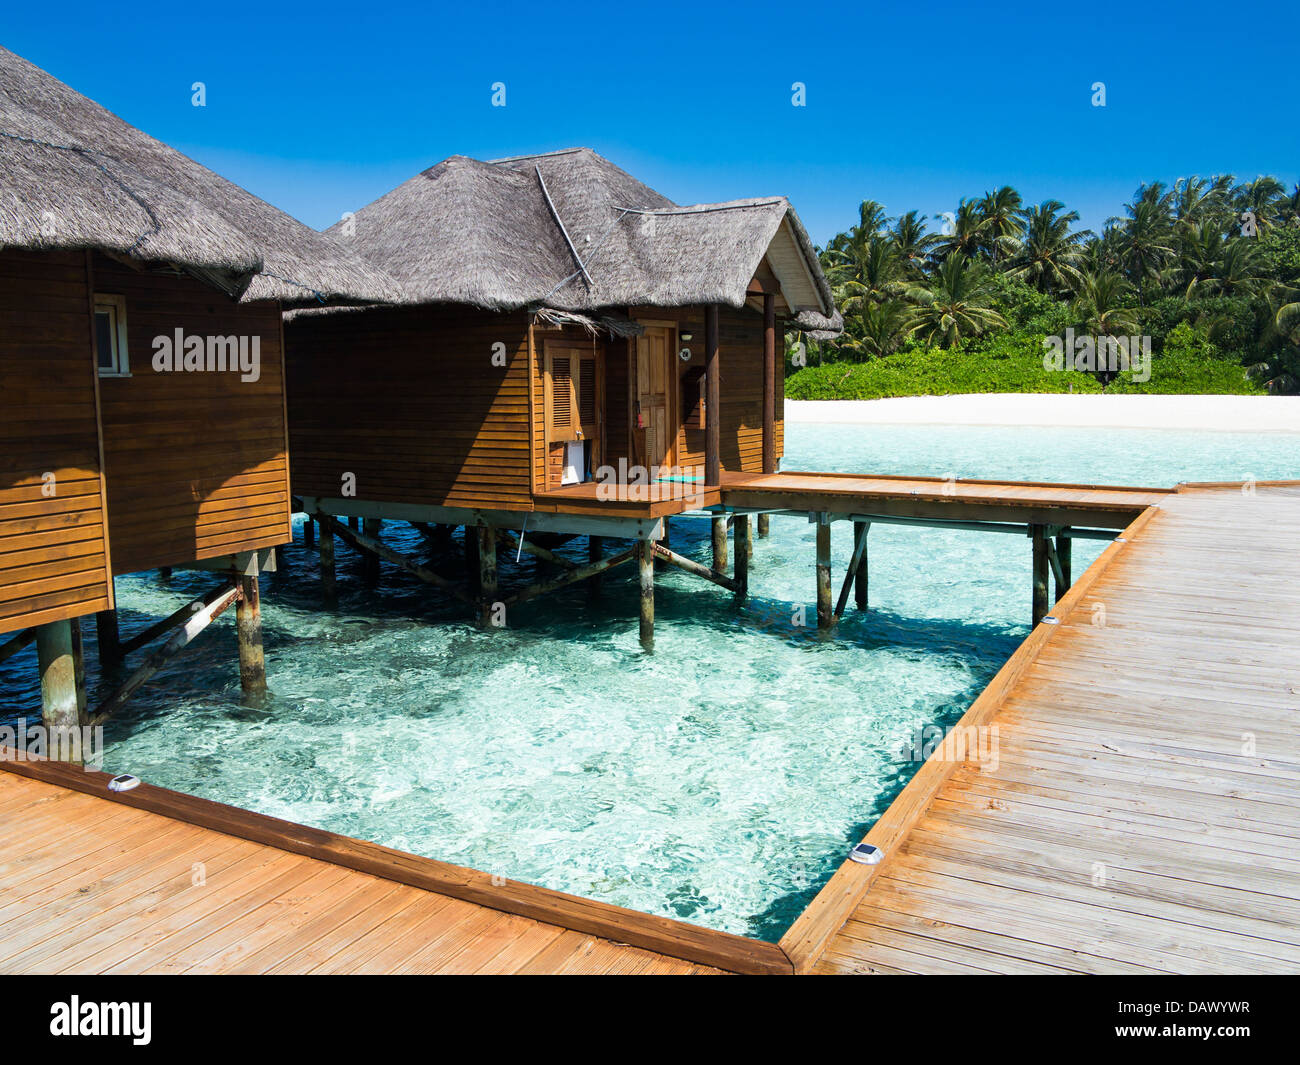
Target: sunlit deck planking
pixel 91 886
pixel 1126 825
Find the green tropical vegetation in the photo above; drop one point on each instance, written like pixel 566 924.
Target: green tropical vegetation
pixel 1207 268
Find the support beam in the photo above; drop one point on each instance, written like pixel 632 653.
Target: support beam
pixel 197 622
pixel 860 577
pixel 572 576
pixel 1064 543
pixel 15 643
pixel 1041 566
pixel 107 638
pixel 769 383
pixel 688 565
pixel 168 623
pixel 471 559
pixel 370 563
pixel 248 630
pixel 713 401
pixel 764 525
pixel 720 544
pixel 63 690
pixel 328 582
pixel 744 551
pixel 825 616
pixel 645 563
pixel 330 525
pixel 487 577
pixel 536 550
pixel 855 573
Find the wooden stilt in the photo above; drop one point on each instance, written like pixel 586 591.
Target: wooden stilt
pixel 370 562
pixel 328 584
pixel 595 552
pixel 248 628
pixel 107 638
pixel 1041 566
pixel 825 616
pixel 1063 552
pixel 645 562
pixel 720 544
pixel 487 577
pixel 308 532
pixel 763 525
pixel 63 692
pixel 471 559
pixel 861 529
pixel 165 573
pixel 855 572
pixel 744 551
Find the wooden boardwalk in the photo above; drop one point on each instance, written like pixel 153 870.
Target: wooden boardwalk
pixel 89 885
pixel 1142 810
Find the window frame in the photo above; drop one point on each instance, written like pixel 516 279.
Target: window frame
pixel 116 307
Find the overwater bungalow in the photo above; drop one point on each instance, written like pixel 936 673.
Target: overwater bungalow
pixel 141 366
pixel 576 354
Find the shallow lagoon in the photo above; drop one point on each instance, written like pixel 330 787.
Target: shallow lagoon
pixel 721 780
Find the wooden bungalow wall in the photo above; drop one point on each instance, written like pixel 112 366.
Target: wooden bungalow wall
pixel 53 547
pixel 195 462
pixel 410 401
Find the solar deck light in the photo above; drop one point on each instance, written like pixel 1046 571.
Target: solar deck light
pixel 866 854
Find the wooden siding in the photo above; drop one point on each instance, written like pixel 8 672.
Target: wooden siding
pixel 740 354
pixel 53 549
pixel 409 401
pixel 195 462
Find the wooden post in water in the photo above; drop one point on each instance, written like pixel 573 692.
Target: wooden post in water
pixel 860 530
pixel 595 552
pixel 165 574
pixel 63 691
pixel 369 560
pixel 1041 566
pixel 825 615
pixel 108 638
pixel 646 565
pixel 248 628
pixel 744 551
pixel 763 525
pixel 487 575
pixel 327 577
pixel 720 544
pixel 471 559
pixel 308 533
pixel 1063 545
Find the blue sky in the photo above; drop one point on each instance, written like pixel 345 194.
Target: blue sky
pixel 321 109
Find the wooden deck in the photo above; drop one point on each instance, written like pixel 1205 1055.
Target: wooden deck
pixel 1142 813
pixel 97 882
pixel 936 498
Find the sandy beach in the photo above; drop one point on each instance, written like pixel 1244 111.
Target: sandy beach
pixel 1248 414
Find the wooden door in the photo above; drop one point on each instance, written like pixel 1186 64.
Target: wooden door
pixel 654 374
pixel 573 399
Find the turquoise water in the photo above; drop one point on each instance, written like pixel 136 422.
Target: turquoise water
pixel 721 780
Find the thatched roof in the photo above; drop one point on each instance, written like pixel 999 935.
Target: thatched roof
pixel 73 175
pixel 571 231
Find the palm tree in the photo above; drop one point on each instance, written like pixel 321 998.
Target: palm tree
pixel 1235 272
pixel 877 276
pixel 967 236
pixel 957 306
pixel 1149 239
pixel 1050 254
pixel 1262 197
pixel 1281 371
pixel 1002 221
pixel 1101 307
pixel 912 243
pixel 878 329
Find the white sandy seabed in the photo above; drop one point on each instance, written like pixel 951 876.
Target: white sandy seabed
pixel 1240 414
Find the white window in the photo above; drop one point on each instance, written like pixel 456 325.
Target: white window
pixel 110 336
